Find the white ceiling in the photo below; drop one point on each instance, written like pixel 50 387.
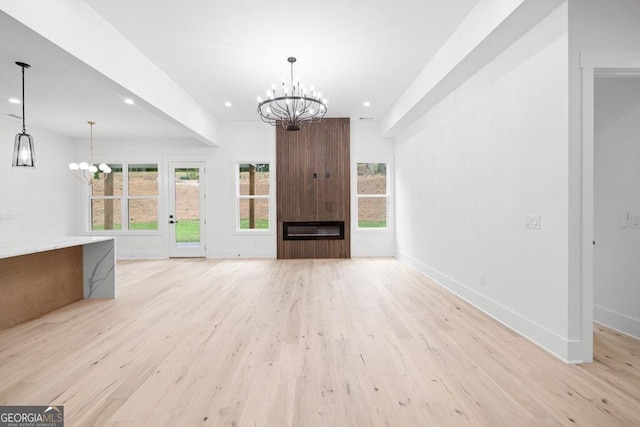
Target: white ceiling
pixel 62 93
pixel 353 51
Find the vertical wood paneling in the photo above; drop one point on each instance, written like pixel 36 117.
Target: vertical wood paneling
pixel 321 149
pixel 35 284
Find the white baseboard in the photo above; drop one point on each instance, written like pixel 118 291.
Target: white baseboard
pixel 617 321
pixel 539 335
pixel 240 254
pixel 140 255
pixel 362 253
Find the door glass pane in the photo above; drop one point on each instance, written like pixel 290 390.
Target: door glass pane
pixel 187 206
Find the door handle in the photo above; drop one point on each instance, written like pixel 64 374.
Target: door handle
pixel 173 222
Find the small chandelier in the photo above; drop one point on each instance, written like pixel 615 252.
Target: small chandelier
pixel 24 153
pixel 88 173
pixel 294 107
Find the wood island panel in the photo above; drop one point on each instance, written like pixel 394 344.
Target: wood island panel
pixel 34 284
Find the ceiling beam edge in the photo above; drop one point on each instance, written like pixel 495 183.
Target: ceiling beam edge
pixel 109 53
pixel 490 28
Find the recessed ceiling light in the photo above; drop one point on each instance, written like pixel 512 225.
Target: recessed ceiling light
pixel 129 101
pixel 14 100
pixel 366 103
pixel 227 104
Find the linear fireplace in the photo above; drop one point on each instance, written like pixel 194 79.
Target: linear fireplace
pixel 314 230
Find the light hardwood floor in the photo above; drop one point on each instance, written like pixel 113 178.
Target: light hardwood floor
pixel 364 342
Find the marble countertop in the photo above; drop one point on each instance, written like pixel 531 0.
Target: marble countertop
pixel 24 247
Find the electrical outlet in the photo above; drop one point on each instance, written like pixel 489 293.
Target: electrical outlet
pixel 532 221
pixel 623 220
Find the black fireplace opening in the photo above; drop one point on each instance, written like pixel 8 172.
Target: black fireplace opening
pixel 314 230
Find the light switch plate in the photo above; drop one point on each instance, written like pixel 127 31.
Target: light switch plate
pixel 532 221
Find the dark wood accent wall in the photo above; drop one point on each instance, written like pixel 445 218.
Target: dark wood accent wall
pixel 313 185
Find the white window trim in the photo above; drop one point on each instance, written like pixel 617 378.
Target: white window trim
pixel 239 197
pixel 124 206
pixel 388 196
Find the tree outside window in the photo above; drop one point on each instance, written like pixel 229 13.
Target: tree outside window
pixel 253 194
pixel 129 192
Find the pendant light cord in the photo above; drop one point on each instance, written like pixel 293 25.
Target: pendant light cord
pixel 91 123
pixel 24 127
pixel 23 66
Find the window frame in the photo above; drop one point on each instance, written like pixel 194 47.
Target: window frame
pixel 239 197
pixel 387 196
pixel 124 199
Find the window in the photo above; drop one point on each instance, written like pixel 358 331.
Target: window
pixel 253 196
pixel 373 195
pixel 126 199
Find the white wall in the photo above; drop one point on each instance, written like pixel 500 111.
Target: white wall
pixel 617 204
pixel 368 147
pixel 594 26
pixel 39 200
pixel 239 142
pixel 469 170
pixel 148 244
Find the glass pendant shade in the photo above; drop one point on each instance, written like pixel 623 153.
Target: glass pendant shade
pixel 24 153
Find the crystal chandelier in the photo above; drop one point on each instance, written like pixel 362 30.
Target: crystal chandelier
pixel 294 107
pixel 88 173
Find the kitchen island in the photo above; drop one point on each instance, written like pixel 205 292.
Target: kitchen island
pixel 39 276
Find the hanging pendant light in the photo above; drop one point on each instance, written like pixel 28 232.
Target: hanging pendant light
pixel 88 173
pixel 24 154
pixel 294 107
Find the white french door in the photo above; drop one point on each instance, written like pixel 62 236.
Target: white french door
pixel 187 224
